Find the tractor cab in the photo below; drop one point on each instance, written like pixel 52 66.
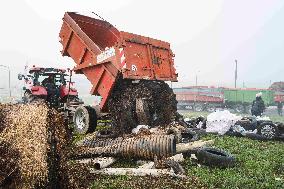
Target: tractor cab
pixel 48 76
pixel 50 84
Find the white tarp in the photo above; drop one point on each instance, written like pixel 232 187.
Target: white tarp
pixel 137 129
pixel 221 121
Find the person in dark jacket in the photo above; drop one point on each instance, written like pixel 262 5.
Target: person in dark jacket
pixel 280 108
pixel 258 106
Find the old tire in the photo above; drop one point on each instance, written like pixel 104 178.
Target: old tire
pixel 215 157
pixel 85 120
pixel 234 134
pixel 268 130
pixel 255 136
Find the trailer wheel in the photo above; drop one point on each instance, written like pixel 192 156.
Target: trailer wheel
pixel 268 130
pixel 85 120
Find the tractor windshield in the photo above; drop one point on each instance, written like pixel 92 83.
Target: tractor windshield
pixel 58 79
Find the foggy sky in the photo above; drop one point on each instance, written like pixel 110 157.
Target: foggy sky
pixel 206 36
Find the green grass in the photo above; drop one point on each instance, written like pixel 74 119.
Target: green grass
pixel 259 165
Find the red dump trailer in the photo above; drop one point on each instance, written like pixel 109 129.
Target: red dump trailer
pixel 107 56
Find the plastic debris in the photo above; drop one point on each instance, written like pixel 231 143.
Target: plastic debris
pixel 138 128
pixel 262 118
pixel 221 121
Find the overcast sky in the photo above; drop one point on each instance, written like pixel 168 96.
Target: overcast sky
pixel 206 36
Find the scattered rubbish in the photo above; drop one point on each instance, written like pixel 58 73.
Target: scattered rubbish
pixel 224 122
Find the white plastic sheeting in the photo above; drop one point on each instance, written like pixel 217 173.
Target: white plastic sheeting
pixel 137 129
pixel 221 121
pixel 264 118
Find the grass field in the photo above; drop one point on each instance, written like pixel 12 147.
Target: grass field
pixel 259 165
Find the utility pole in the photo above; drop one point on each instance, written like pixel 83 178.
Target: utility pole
pixel 10 93
pixel 197 91
pixel 236 73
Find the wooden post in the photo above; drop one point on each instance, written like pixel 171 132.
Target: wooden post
pixel 136 172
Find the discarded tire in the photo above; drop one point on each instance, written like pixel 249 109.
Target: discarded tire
pixel 255 136
pixel 215 157
pixel 268 130
pixel 233 133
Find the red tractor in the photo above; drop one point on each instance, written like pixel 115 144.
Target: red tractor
pixel 53 86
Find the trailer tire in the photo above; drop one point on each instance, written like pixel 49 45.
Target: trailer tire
pixel 85 120
pixel 215 157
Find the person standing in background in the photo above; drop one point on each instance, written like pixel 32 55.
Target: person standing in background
pixel 280 108
pixel 258 106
